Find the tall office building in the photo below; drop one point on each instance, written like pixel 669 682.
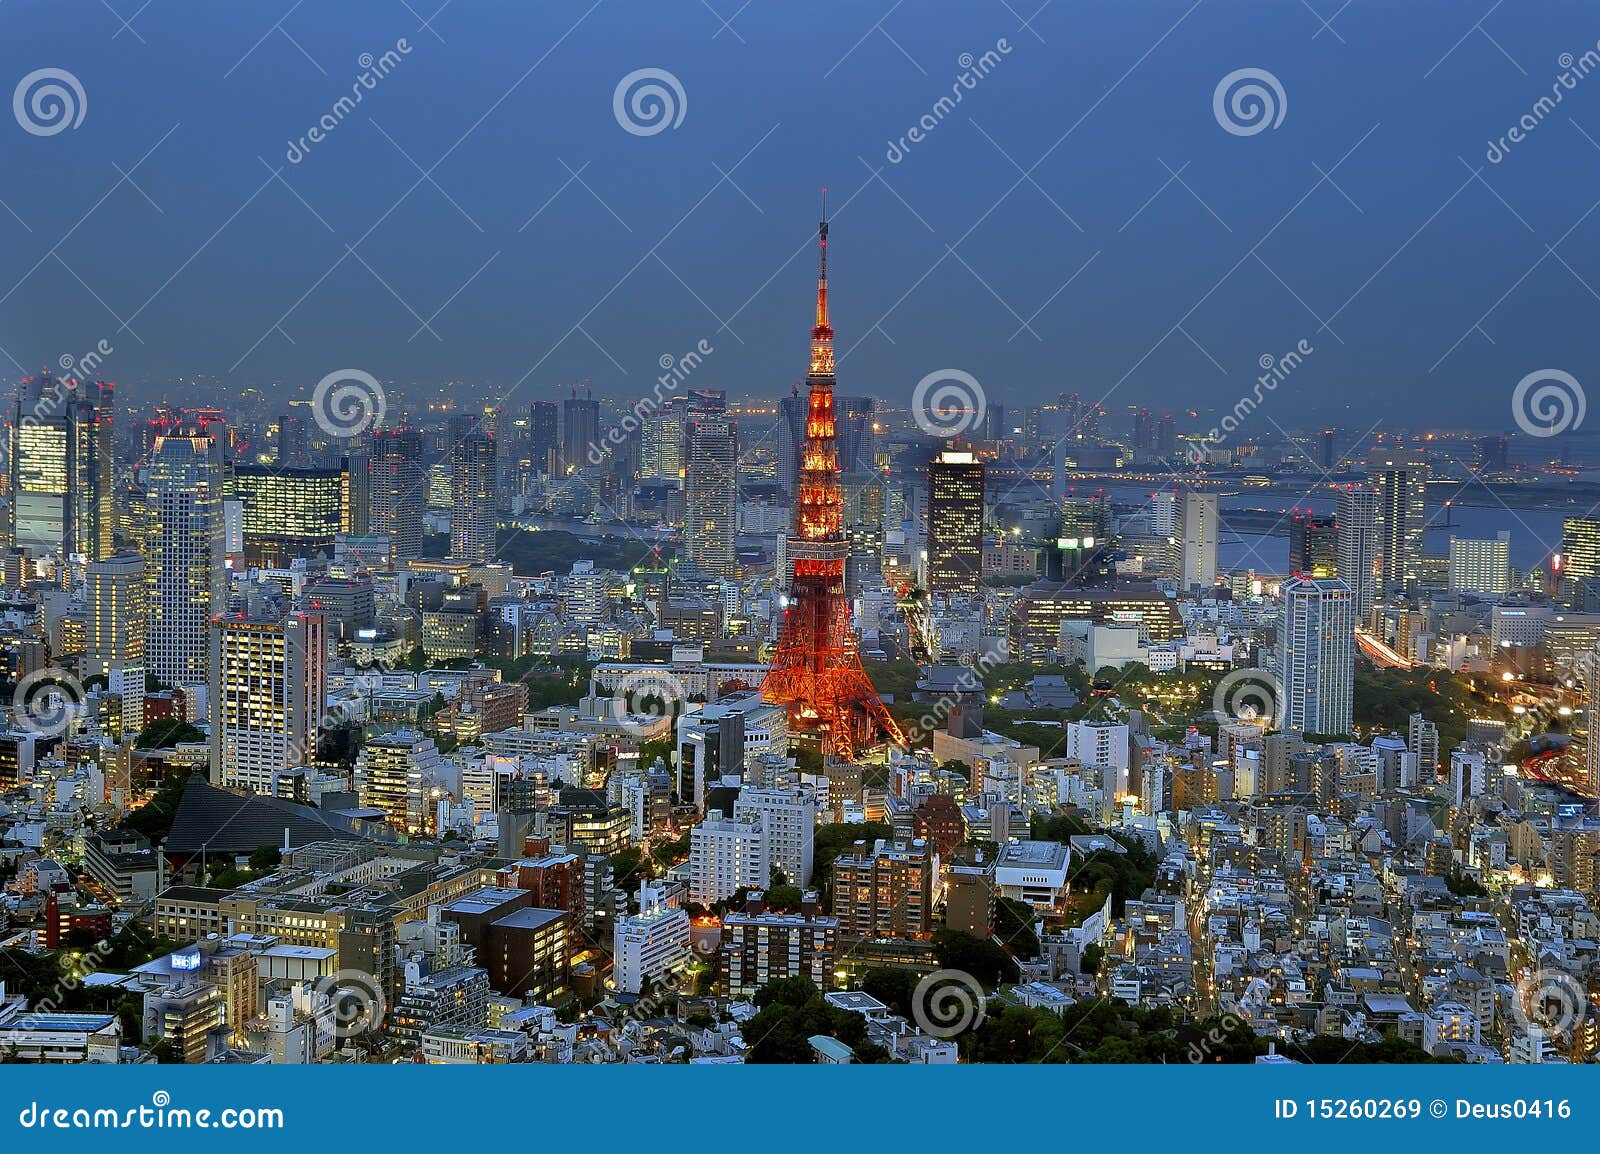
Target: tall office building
pixel 294 442
pixel 116 598
pixel 710 495
pixel 1400 477
pixel 61 458
pixel 267 692
pixel 791 439
pixel 856 430
pixel 1356 516
pixel 1481 566
pixel 186 574
pixel 1580 543
pixel 290 513
pixel 580 429
pixel 115 606
pixel 544 436
pixel 358 471
pixel 397 488
pixel 1313 545
pixel 1201 531
pixel 661 444
pixel 1316 655
pixel 472 498
pixel 955 522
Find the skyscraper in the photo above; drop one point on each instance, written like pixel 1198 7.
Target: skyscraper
pixel 580 429
pixel 791 439
pixel 267 692
pixel 1401 480
pixel 1200 535
pixel 858 440
pixel 61 459
pixel 397 488
pixel 1316 655
pixel 710 495
pixel 185 570
pixel 544 436
pixel 1356 516
pixel 116 597
pixel 1313 545
pixel 472 500
pixel 955 522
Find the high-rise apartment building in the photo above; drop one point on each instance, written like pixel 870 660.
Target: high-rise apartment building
pixel 472 498
pixel 650 945
pixel 61 458
pixel 1316 655
pixel 727 855
pixel 711 495
pixel 1201 529
pixel 267 692
pixel 397 489
pixel 955 522
pixel 1400 477
pixel 1356 516
pixel 789 817
pixel 393 772
pixel 116 597
pixel 185 570
pixel 884 890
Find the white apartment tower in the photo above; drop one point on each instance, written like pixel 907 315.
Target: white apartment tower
pixel 789 817
pixel 1200 535
pixel 1316 655
pixel 268 689
pixel 726 855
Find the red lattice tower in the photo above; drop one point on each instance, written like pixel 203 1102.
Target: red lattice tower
pixel 816 672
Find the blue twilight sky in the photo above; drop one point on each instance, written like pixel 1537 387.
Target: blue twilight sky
pixel 550 245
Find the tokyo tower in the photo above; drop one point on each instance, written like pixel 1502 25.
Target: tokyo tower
pixel 816 672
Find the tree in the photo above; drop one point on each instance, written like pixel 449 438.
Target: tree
pixel 783 897
pixel 980 957
pixel 265 859
pixel 792 1011
pixel 167 731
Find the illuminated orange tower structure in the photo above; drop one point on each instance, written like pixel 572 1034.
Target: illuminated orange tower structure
pixel 816 672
